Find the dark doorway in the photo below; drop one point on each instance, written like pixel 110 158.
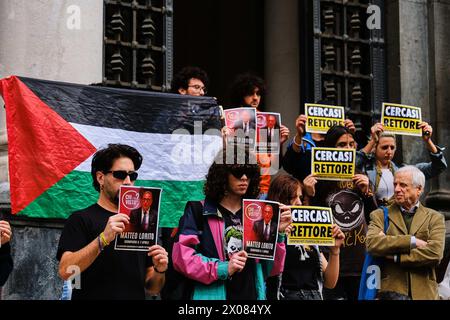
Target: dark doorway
pixel 223 37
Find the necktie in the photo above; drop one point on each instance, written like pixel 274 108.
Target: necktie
pixel 145 221
pixel 266 232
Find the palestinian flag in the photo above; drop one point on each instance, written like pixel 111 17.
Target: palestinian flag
pixel 54 129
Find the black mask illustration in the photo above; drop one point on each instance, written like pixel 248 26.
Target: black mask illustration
pixel 347 209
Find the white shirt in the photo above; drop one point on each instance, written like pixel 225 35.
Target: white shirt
pixel 386 186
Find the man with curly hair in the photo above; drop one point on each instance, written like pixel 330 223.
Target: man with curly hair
pixel 213 257
pixel 247 90
pixel 191 81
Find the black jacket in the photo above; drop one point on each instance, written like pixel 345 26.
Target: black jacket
pixel 6 263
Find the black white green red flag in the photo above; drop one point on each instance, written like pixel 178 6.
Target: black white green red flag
pixel 54 128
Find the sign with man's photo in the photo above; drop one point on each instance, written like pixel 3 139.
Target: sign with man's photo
pixel 142 205
pixel 241 122
pixel 261 220
pixel 268 132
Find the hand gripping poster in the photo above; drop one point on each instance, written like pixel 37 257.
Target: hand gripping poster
pixel 142 205
pixel 261 219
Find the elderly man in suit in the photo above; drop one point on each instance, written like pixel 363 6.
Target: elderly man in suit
pixel 414 242
pixel 265 228
pixel 246 122
pixel 145 217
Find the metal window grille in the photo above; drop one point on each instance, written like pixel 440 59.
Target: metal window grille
pixel 349 59
pixel 138 44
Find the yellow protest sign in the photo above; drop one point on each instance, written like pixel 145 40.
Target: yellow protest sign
pixel 333 163
pixel 311 226
pixel 322 117
pixel 401 119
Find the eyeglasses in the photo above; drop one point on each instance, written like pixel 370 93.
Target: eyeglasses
pixel 238 172
pixel 198 87
pixel 122 174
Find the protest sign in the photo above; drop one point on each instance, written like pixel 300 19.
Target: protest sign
pixel 401 119
pixel 333 163
pixel 311 226
pixel 322 117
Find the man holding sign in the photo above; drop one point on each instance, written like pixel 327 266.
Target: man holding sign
pixel 84 247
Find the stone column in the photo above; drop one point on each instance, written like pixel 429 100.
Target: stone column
pixel 439 14
pixel 414 70
pixel 281 52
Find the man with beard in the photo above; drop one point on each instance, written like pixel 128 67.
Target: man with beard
pixel 84 243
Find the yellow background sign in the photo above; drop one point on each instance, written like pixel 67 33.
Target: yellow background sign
pixel 322 117
pixel 333 163
pixel 311 226
pixel 401 119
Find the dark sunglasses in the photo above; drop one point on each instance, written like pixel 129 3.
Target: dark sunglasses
pixel 122 174
pixel 238 172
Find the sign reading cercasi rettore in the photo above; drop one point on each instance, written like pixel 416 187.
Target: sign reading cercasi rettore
pixel 333 163
pixel 401 119
pixel 321 117
pixel 311 226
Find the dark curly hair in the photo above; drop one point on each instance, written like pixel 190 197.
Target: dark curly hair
pixel 244 85
pixel 217 178
pixel 333 135
pixel 103 159
pixel 283 189
pixel 181 79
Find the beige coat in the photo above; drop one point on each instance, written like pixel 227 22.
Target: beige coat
pixel 416 266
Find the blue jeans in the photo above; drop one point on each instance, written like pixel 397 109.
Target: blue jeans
pixel 67 290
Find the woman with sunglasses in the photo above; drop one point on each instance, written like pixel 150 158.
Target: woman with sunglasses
pixel 375 159
pixel 210 251
pixel 351 203
pixel 306 270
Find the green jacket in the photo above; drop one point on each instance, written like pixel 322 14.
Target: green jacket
pixel 415 268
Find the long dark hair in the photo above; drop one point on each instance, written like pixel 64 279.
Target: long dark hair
pixel 283 189
pixel 333 135
pixel 244 85
pixel 217 178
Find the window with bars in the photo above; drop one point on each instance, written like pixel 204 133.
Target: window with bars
pixel 349 59
pixel 137 44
